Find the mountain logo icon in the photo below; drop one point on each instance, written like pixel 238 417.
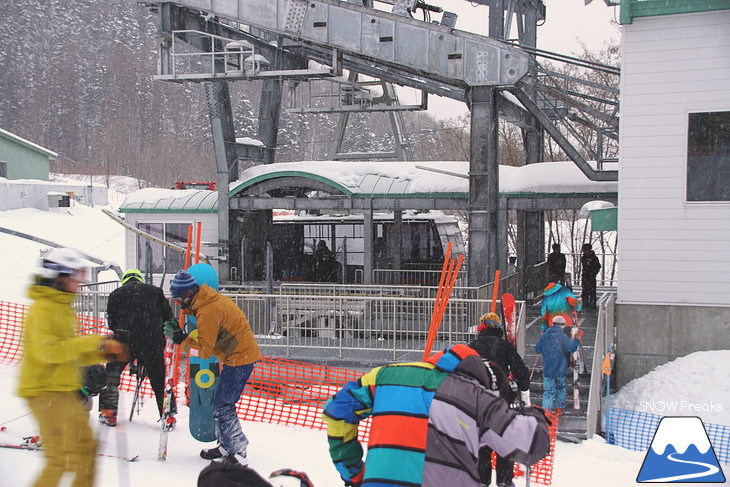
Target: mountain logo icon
pixel 680 452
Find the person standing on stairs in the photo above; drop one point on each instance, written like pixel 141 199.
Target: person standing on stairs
pixel 556 265
pixel 555 347
pixel 492 347
pixel 557 300
pixel 589 268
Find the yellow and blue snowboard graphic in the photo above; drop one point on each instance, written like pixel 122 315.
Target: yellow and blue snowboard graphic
pixel 204 373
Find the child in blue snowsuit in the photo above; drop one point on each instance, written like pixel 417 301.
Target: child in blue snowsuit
pixel 554 345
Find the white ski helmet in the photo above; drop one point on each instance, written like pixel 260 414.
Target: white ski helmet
pixel 61 262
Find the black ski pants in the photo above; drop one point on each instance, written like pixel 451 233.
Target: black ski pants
pixel 155 369
pixel 588 291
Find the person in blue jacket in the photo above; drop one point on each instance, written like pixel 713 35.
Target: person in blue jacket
pixel 555 347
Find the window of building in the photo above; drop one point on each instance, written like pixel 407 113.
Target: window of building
pixel 154 257
pixel 3 169
pixel 708 157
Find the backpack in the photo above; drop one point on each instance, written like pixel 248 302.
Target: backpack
pixel 219 474
pixel 503 384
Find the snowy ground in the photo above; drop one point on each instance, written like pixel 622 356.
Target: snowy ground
pixel 695 378
pixel 687 386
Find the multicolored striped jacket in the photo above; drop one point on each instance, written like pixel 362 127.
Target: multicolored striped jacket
pixel 429 420
pixel 557 300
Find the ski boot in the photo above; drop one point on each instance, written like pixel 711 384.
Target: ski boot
pixel 108 417
pixel 235 458
pixel 212 453
pixel 32 442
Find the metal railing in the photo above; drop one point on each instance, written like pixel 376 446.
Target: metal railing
pixel 223 57
pixel 362 324
pixel 415 277
pixel 92 298
pixel 394 326
pixel 604 344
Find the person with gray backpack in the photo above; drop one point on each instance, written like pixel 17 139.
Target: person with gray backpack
pixel 501 360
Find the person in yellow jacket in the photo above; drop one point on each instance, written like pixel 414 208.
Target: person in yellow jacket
pixel 224 331
pixel 51 369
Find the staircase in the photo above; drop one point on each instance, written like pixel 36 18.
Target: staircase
pixel 573 422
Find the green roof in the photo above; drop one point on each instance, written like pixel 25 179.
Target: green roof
pixel 604 219
pixel 630 9
pixel 30 145
pixel 156 200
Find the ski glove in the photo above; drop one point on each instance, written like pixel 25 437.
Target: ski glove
pixel 355 475
pixel 578 334
pixel 537 413
pixel 174 332
pixel 114 351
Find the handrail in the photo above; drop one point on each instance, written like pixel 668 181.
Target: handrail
pixel 603 344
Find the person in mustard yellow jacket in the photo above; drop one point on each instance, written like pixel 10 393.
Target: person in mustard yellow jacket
pixel 51 369
pixel 224 331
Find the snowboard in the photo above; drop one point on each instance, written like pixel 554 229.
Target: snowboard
pixel 509 311
pixel 203 373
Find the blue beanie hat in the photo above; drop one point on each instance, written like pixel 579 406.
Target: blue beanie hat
pixel 181 283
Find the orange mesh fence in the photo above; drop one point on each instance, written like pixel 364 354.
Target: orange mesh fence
pixel 11 320
pixel 289 392
pixel 542 471
pixel 280 391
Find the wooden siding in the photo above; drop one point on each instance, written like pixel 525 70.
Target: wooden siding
pixel 671 251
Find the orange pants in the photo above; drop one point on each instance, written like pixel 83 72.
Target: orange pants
pixel 68 441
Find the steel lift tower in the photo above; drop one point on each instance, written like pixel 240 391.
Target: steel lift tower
pixel 217 41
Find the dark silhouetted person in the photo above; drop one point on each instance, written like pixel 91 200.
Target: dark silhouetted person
pixel 589 268
pixel 325 265
pixel 556 265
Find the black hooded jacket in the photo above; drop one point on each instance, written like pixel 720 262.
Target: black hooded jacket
pixel 135 313
pixel 491 345
pixel 590 265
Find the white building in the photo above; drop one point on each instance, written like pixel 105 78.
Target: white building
pixel 674 182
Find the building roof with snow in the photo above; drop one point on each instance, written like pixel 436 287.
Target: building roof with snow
pixel 427 185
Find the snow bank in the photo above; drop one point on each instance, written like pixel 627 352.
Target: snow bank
pixel 693 385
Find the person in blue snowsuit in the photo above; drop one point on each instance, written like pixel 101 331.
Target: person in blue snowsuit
pixel 555 347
